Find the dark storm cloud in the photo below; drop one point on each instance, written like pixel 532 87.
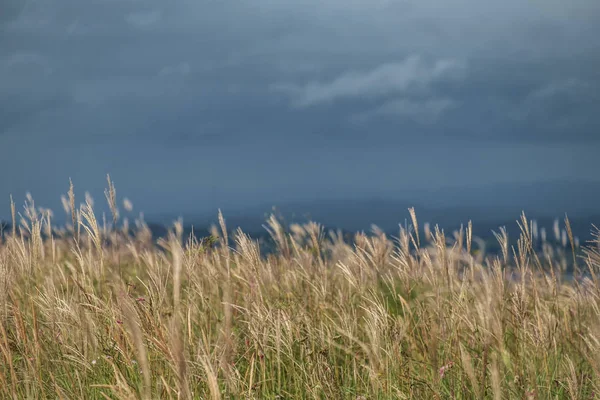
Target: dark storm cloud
pixel 150 90
pixel 435 63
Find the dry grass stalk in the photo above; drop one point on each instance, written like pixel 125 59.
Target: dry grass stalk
pixel 418 316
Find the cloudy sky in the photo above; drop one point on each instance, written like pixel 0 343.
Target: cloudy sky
pixel 192 104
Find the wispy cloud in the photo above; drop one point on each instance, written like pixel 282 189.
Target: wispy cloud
pixel 556 99
pixel 411 74
pixel 426 111
pixel 567 87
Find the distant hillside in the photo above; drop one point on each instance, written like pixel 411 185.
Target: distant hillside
pixel 356 215
pixel 548 199
pixel 4 227
pixel 484 205
pixel 488 206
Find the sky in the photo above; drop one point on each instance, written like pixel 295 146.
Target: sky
pixel 197 104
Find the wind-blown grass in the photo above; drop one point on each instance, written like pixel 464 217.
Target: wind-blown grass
pixel 92 311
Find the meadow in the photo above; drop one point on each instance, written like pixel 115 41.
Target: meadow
pixel 99 309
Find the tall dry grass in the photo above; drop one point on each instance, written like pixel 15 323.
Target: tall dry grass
pixel 92 311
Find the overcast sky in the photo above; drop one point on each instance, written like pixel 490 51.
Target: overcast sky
pixel 200 103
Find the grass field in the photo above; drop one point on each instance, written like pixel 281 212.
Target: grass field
pixel 91 311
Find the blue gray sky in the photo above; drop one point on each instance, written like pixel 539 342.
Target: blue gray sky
pixel 194 104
